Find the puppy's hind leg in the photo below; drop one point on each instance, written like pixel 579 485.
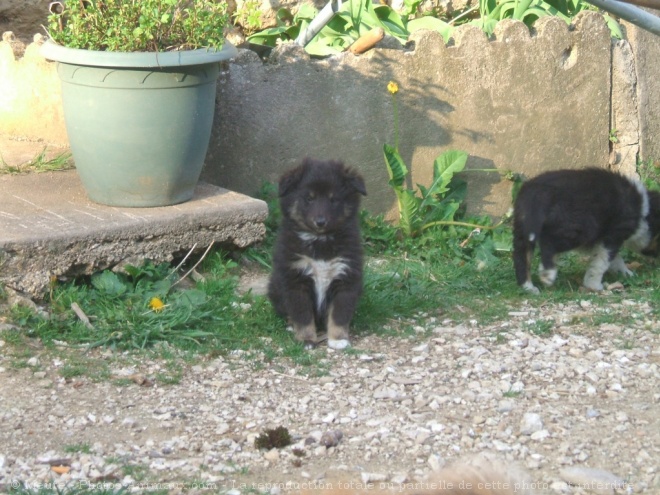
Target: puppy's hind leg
pixel 617 265
pixel 548 266
pixel 600 262
pixel 523 250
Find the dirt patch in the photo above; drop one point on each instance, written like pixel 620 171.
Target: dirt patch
pixel 584 396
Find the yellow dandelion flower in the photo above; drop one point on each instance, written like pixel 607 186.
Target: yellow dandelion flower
pixel 156 304
pixel 393 87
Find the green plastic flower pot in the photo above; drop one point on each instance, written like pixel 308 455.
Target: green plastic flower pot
pixel 138 124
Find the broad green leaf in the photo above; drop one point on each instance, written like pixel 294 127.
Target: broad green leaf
pixel 432 24
pixel 484 254
pixel 410 7
pixel 396 168
pixel 408 211
pixel 355 10
pixel 268 36
pixel 284 16
pixel 444 168
pixel 192 297
pixel 306 11
pixel 109 283
pixel 319 48
pixel 615 27
pixel 520 8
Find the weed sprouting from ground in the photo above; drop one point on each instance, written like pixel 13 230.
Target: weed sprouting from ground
pixel 275 438
pixel 40 163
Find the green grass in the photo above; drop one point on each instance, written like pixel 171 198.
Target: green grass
pixel 81 448
pixel 451 274
pixel 40 163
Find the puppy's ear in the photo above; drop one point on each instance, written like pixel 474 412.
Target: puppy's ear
pixel 290 180
pixel 355 180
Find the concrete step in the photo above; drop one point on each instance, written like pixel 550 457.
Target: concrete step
pixel 49 228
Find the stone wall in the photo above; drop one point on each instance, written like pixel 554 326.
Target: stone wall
pixel 522 101
pixel 30 95
pixel 646 52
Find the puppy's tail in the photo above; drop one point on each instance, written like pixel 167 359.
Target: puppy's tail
pixel 480 475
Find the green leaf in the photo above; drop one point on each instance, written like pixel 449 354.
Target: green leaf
pixel 409 221
pixel 355 11
pixel 615 27
pixel 391 22
pixel 269 36
pixel 432 24
pixel 410 7
pixel 306 11
pixel 520 8
pixel 395 166
pixel 191 297
pixel 109 283
pixel 445 166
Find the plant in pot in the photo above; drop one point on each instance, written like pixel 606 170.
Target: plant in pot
pixel 138 90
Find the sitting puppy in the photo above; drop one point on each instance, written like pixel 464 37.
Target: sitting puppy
pixel 317 261
pixel 590 208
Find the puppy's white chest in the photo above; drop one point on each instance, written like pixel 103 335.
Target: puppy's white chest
pixel 322 272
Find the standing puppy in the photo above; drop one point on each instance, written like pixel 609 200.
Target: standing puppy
pixel 317 263
pixel 592 209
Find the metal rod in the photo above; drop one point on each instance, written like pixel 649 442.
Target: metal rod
pixel 651 4
pixel 321 19
pixel 630 13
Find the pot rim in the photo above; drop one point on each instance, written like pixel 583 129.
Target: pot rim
pixel 53 51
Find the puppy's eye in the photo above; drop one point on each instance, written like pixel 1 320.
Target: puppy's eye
pixel 309 198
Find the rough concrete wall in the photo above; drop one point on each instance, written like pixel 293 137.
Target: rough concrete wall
pixel 526 102
pixel 24 17
pixel 30 96
pixel 646 50
pixel 624 130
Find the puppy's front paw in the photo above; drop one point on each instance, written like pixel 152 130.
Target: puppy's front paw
pixel 548 276
pixel 338 344
pixel 309 345
pixel 305 333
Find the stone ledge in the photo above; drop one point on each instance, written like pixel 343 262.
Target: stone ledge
pixel 48 227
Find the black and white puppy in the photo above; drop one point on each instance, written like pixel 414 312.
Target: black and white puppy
pixel 593 209
pixel 317 261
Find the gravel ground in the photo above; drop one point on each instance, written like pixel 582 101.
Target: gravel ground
pixel 578 409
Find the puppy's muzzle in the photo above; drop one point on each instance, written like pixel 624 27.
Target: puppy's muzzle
pixel 320 222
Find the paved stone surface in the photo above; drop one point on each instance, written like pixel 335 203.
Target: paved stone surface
pixel 48 227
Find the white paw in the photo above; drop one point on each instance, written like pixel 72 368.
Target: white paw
pixel 548 276
pixel 592 285
pixel 529 287
pixel 338 344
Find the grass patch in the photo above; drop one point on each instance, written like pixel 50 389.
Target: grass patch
pixel 454 274
pixel 81 448
pixel 40 163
